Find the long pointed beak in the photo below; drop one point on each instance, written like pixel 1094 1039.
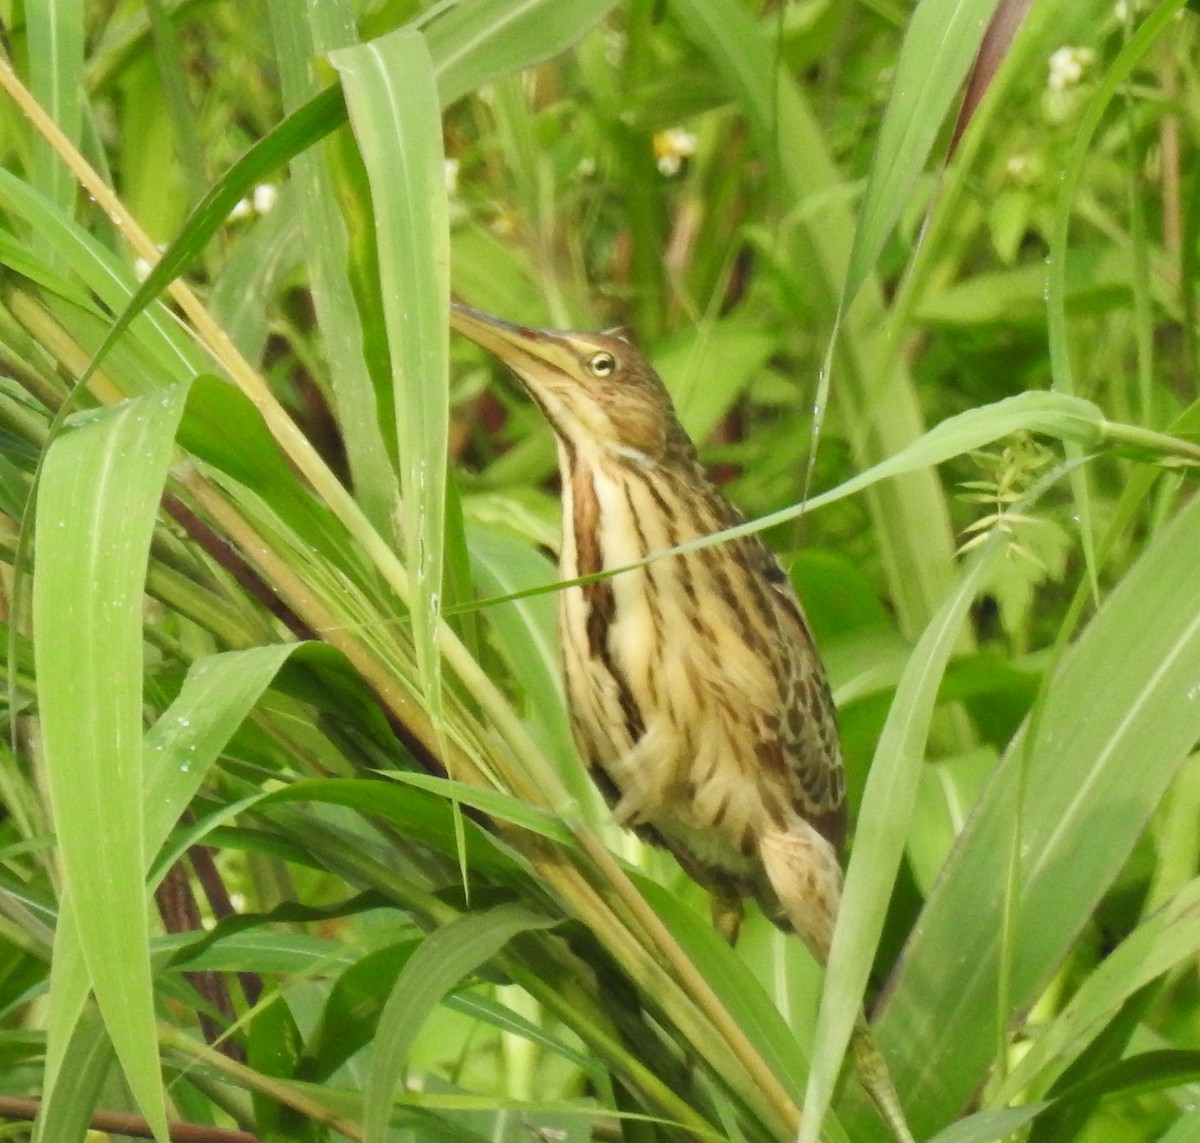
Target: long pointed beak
pixel 515 345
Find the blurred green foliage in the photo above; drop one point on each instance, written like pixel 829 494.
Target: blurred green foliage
pixel 294 837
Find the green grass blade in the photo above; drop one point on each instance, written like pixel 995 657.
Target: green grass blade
pixel 444 958
pixel 524 634
pixel 217 695
pixel 1118 718
pixel 1062 372
pixel 494 803
pixel 56 36
pixel 99 498
pixel 735 984
pixel 474 44
pixel 883 825
pixel 391 95
pixel 328 242
pixel 1168 938
pixel 987 1126
pixel 69 986
pixel 67 1108
pixel 1054 414
pixel 178 751
pixel 102 272
pixel 939 45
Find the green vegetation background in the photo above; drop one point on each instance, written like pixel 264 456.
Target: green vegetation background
pixel 294 838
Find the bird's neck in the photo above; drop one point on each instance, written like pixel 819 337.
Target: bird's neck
pixel 618 509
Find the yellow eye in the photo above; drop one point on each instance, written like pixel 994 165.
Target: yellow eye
pixel 602 364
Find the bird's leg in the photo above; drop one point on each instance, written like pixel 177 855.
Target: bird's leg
pixel 803 870
pixel 728 911
pixel 724 896
pixel 877 1079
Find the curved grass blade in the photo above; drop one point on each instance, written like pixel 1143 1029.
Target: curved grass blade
pixel 391 96
pixel 305 126
pixel 443 959
pixel 884 820
pixel 942 39
pixel 102 272
pixel 217 695
pixel 1053 414
pixel 524 634
pixel 1168 938
pixel 67 1107
pixel 95 515
pixel 55 32
pixel 478 43
pixel 330 247
pixel 986 1126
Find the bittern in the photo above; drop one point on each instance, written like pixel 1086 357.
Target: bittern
pixel 697 696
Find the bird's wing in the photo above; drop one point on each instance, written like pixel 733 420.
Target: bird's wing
pixel 808 733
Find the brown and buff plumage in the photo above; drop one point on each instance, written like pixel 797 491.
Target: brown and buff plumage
pixel 697 697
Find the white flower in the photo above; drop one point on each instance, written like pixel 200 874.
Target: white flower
pixel 1019 167
pixel 671 147
pixel 265 196
pixel 614 48
pixel 1067 66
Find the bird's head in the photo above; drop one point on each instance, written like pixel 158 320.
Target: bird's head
pixel 595 389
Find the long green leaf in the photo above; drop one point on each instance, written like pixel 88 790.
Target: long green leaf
pixel 328 242
pixel 883 825
pixel 1168 938
pixel 987 1126
pixel 444 958
pixel 67 1107
pixel 217 695
pixel 478 43
pixel 56 35
pixel 100 490
pixel 1118 717
pixel 391 94
pixel 939 44
pixel 178 751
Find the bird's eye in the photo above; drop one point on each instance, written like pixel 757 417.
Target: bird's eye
pixel 602 364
